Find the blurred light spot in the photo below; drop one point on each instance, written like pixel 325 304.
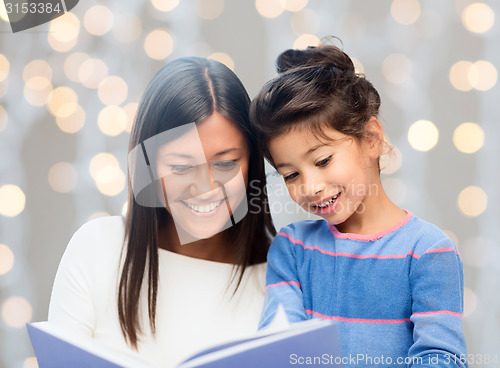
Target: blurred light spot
pixel 100 161
pixel 3 12
pixel 482 75
pixel 110 180
pixel 16 312
pixel 98 214
pixel 452 236
pixel 459 75
pixel 130 109
pixel 468 137
pixel 72 65
pixel 6 259
pixel 63 177
pixel 269 8
pixel 4 67
pixel 472 201
pixel 293 5
pixel 3 118
pixel 391 161
pixel 358 66
pixel 405 12
pixel 478 18
pixel 165 5
pixel 112 90
pixel 30 362
pixel 60 97
pixel 477 252
pixel 124 209
pixel 397 68
pixel 159 44
pixel 396 190
pixel 223 58
pixel 209 9
pixel 306 40
pixel 92 72
pixel 98 20
pixel 305 21
pixel 70 118
pixel 470 302
pixel 423 135
pixel 37 68
pixel 112 120
pixel 63 32
pixel 12 200
pixel 127 27
pixel 37 91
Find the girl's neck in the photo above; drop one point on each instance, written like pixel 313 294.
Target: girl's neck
pixel 213 249
pixel 375 214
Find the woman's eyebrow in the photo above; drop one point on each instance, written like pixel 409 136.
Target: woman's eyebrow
pixel 182 155
pixel 227 151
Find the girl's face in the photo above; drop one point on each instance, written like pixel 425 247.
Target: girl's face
pixel 204 174
pixel 332 178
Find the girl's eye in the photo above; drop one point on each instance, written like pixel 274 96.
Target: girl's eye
pixel 324 162
pixel 290 177
pixel 225 164
pixel 180 169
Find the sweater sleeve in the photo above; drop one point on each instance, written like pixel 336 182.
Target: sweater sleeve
pixel 436 282
pixel 71 303
pixel 282 282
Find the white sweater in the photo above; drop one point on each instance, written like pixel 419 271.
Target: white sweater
pixel 195 306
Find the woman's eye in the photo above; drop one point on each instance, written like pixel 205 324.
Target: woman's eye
pixel 225 165
pixel 180 169
pixel 324 162
pixel 290 177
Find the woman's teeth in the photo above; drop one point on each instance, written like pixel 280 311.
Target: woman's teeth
pixel 204 208
pixel 326 204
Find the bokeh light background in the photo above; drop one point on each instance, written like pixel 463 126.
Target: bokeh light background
pixel 69 91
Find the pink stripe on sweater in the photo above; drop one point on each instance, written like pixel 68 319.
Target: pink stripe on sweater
pixel 358 320
pixel 350 255
pixel 438 312
pixel 372 237
pixel 284 283
pixel 442 250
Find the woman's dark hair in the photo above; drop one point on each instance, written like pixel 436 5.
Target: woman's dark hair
pixel 316 87
pixel 184 91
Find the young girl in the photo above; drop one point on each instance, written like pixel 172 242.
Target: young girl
pixel 392 281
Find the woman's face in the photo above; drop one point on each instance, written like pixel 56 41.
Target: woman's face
pixel 204 174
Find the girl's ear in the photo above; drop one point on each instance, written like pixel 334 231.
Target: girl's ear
pixel 375 137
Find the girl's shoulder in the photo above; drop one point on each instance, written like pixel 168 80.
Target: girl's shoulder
pixel 425 236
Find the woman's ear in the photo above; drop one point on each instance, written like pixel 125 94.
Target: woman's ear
pixel 375 137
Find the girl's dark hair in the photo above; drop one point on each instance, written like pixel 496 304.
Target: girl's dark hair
pixel 316 87
pixel 184 91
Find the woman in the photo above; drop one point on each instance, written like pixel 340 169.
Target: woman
pixel 186 269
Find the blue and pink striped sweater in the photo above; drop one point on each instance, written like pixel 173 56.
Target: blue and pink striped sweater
pixel 397 294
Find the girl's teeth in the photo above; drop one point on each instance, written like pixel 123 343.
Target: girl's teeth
pixel 329 202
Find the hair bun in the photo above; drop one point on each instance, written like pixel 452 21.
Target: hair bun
pixel 328 56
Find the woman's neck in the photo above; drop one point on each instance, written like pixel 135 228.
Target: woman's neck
pixel 375 214
pixel 214 248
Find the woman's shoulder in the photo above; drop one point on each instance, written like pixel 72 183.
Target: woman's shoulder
pixel 99 237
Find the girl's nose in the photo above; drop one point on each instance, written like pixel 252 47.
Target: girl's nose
pixel 312 187
pixel 203 180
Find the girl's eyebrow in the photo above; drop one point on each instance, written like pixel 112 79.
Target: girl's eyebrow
pixel 182 155
pixel 311 150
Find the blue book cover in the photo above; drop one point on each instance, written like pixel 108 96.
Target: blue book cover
pixel 308 343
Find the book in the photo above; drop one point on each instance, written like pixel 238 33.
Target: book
pixel 312 342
